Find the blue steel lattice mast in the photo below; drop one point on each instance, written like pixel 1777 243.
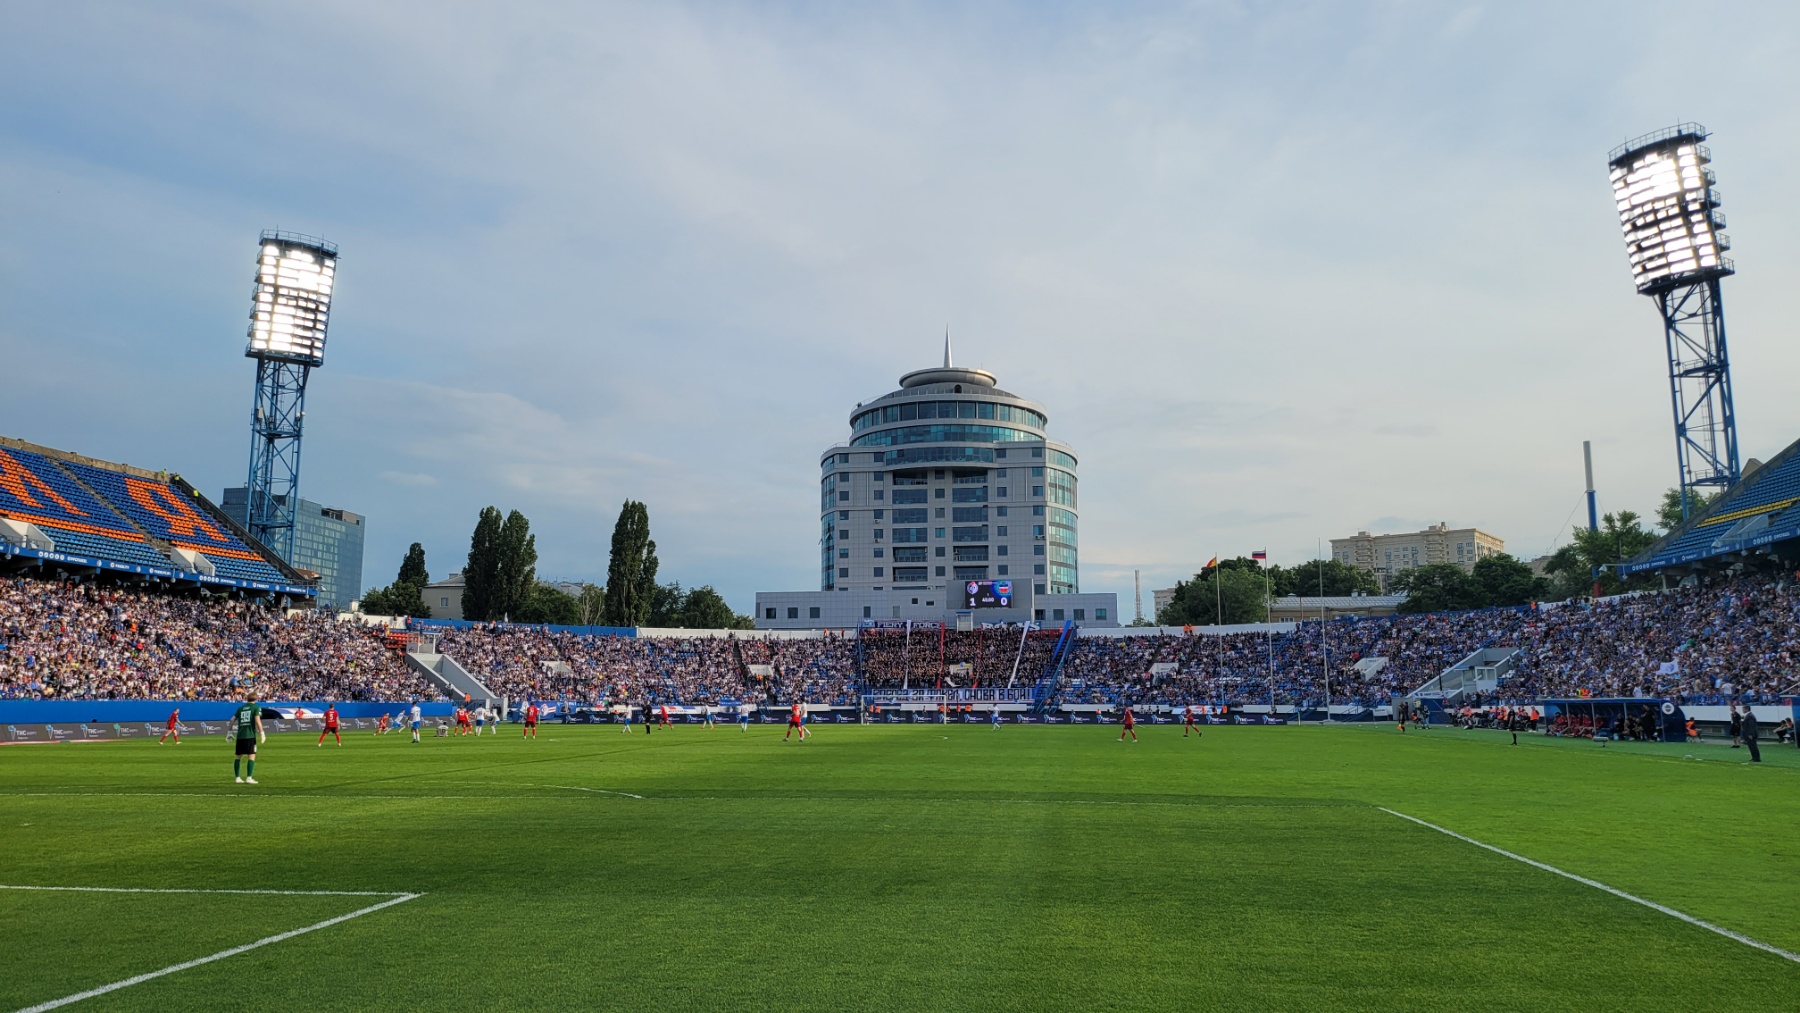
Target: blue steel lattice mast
pixel 288 319
pixel 1669 211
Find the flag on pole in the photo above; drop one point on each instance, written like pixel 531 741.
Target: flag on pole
pixel 1260 555
pixel 1211 563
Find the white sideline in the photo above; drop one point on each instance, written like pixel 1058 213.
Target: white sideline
pixel 1596 884
pixel 392 900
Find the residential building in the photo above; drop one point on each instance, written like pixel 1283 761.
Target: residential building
pixel 444 597
pixel 1387 555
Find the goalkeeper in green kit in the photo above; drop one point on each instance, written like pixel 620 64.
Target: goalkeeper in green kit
pixel 248 726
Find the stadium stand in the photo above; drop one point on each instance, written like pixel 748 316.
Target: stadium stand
pixel 128 523
pixel 62 640
pixel 34 490
pixel 163 511
pixel 1755 517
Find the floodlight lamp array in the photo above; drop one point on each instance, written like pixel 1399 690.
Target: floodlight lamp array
pixel 291 305
pixel 1668 211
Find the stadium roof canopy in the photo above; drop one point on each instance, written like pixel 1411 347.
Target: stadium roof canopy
pixel 1758 516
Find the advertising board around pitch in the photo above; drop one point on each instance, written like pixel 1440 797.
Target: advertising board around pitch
pixel 987 594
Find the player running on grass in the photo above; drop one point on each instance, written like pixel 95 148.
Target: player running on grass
pixel 1187 722
pixel 331 725
pixel 174 727
pixel 417 715
pixel 744 717
pixel 1128 726
pixel 796 723
pixel 531 716
pixel 663 716
pixel 706 712
pixel 247 723
pixel 382 724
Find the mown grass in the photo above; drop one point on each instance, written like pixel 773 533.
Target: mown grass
pixel 906 867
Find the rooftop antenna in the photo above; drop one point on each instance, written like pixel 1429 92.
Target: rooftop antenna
pixel 946 346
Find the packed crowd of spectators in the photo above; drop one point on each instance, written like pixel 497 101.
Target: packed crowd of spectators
pixel 82 641
pixel 943 660
pixel 537 663
pixel 1735 639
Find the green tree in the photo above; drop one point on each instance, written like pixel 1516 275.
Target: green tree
pixel 591 605
pixel 666 602
pixel 631 571
pixel 704 609
pixel 412 568
pixel 516 567
pixel 546 604
pixel 481 577
pixel 1336 577
pixel 1503 580
pixel 1437 587
pixel 1227 594
pixel 1621 536
pixel 1668 516
pixel 404 597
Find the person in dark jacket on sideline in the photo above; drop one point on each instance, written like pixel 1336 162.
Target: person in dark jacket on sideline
pixel 1747 728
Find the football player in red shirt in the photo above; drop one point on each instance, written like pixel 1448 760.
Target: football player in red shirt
pixel 1188 725
pixel 531 716
pixel 663 716
pixel 1128 726
pixel 174 727
pixel 795 724
pixel 331 725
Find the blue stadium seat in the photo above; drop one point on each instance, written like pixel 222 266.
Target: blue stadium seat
pixel 167 513
pixel 35 490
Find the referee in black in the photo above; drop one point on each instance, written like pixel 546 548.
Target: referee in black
pixel 1748 730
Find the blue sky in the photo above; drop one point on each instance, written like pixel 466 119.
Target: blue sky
pixel 1279 272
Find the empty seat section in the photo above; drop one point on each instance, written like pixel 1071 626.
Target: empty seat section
pixel 34 490
pixel 167 513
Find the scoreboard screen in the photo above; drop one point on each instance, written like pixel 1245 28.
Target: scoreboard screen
pixel 987 594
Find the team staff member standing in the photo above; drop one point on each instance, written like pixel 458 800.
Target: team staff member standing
pixel 1747 727
pixel 248 723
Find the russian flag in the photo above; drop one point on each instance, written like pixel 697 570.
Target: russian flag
pixel 1260 555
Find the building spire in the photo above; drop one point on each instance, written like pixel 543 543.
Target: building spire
pixel 946 346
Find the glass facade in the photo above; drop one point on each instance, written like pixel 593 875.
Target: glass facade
pixel 943 434
pixel 946 410
pixel 327 541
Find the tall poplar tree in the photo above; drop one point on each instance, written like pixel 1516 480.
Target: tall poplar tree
pixel 631 572
pixel 481 576
pixel 515 567
pixel 412 568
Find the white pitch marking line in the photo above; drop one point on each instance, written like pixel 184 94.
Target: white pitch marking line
pixel 222 954
pixel 597 791
pixel 1596 884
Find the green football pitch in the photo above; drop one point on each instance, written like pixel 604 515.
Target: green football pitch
pixel 902 867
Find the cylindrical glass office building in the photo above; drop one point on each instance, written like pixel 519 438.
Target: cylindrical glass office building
pixel 947 480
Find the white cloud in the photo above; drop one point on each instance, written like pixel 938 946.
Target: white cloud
pixel 1277 273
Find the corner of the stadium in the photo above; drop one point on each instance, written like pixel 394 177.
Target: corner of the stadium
pixel 1754 527
pixel 66 516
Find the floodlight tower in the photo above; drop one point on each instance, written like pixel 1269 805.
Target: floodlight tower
pixel 292 302
pixel 1669 211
